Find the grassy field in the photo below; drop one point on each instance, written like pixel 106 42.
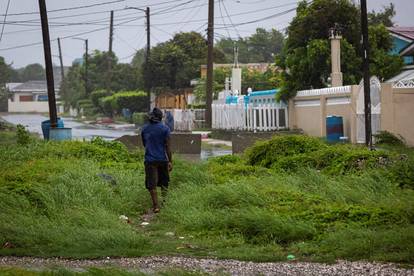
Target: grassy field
pixel 290 195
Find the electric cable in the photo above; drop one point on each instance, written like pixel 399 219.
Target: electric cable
pixel 5 16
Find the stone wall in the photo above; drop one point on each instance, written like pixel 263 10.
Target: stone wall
pixel 183 143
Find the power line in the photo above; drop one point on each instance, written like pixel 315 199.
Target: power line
pixel 64 37
pixel 231 21
pixel 264 18
pixel 68 9
pixel 5 16
pixel 222 17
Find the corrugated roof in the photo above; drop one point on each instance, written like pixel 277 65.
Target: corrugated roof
pixel 406 32
pixel 31 86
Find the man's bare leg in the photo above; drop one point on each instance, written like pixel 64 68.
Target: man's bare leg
pixel 154 198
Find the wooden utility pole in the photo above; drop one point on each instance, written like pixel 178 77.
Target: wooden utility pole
pixel 365 58
pixel 86 68
pixel 111 33
pixel 147 57
pixel 147 78
pixel 210 41
pixel 62 73
pixel 48 64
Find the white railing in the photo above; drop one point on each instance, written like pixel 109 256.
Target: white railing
pixel 325 91
pixel 249 117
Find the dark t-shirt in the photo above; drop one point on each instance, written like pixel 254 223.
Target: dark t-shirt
pixel 154 137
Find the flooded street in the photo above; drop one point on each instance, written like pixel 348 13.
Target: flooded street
pixel 79 130
pixel 82 131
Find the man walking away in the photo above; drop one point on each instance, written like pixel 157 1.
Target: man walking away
pixel 158 159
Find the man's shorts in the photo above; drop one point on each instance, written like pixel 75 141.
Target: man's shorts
pixel 156 174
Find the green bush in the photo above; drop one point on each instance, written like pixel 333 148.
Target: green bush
pixel 265 153
pixel 139 118
pixel 23 136
pixel 402 173
pixel 97 95
pixel 83 103
pixel 291 153
pixel 135 101
pixel 385 137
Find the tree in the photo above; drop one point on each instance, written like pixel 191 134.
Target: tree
pixel 176 62
pixel 306 54
pixel 72 88
pixel 259 47
pixel 384 17
pixel 33 71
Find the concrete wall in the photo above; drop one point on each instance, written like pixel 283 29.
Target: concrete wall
pixel 308 112
pixel 39 107
pixel 397 107
pixel 182 143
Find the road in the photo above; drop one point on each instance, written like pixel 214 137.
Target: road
pixel 82 131
pixel 79 130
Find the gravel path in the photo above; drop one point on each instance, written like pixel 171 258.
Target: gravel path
pixel 212 266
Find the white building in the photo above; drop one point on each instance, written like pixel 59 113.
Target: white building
pixel 30 96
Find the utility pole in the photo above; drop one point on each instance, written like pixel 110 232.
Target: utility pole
pixel 48 64
pixel 111 33
pixel 62 73
pixel 365 58
pixel 85 59
pixel 147 82
pixel 147 57
pixel 86 68
pixel 210 41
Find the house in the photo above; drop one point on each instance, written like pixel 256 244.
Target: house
pixel 30 96
pixel 403 37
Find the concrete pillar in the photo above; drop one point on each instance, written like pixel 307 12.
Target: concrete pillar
pixel 336 75
pixel 236 75
pixel 291 111
pixel 353 120
pixel 323 115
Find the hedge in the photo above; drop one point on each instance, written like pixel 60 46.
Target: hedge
pixel 135 101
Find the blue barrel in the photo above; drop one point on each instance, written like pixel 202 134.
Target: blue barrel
pixel 60 134
pixel 334 128
pixel 46 127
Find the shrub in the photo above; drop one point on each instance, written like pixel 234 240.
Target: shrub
pixel 97 95
pixel 385 137
pixel 265 153
pixel 135 101
pixel 402 173
pixel 23 136
pixel 139 118
pixel 84 103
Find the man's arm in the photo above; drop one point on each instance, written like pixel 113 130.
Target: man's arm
pixel 142 138
pixel 168 151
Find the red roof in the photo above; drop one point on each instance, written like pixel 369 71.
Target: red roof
pixel 406 32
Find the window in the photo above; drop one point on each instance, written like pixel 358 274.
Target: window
pixel 42 98
pixel 26 98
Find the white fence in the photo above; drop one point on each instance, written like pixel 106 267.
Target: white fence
pixel 187 119
pixel 264 117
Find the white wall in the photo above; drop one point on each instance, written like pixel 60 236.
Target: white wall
pixel 39 107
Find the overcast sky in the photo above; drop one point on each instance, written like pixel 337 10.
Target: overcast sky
pixel 167 17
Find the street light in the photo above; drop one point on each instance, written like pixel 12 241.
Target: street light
pixel 147 82
pixel 86 63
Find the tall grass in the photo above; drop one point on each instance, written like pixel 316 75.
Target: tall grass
pixel 55 202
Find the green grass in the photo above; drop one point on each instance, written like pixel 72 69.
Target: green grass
pixel 54 203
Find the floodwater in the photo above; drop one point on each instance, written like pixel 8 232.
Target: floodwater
pixel 82 131
pixel 79 130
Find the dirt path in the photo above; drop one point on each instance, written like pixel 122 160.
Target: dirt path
pixel 211 266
